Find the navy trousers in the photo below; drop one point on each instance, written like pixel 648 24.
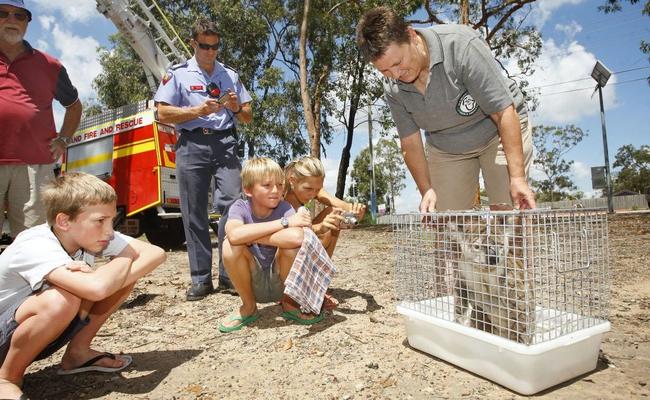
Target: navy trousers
pixel 201 158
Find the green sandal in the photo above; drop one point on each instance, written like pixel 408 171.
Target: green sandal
pixel 293 315
pixel 243 321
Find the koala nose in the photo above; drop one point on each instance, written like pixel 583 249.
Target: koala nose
pixel 492 257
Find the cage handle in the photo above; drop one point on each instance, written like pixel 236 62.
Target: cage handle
pixel 579 260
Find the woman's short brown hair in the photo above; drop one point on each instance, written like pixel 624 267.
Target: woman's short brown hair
pixel 379 28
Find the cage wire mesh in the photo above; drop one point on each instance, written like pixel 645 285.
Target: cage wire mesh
pixel 529 276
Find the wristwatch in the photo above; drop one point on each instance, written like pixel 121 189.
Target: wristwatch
pixel 284 222
pixel 64 139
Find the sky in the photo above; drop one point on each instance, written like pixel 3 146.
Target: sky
pixel 574 33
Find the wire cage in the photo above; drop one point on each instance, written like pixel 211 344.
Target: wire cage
pixel 527 276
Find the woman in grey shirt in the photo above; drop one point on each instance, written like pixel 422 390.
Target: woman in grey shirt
pixel 445 81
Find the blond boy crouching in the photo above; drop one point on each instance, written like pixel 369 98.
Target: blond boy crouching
pixel 263 236
pixel 50 294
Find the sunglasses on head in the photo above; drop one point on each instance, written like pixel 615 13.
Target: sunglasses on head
pixel 205 46
pixel 20 16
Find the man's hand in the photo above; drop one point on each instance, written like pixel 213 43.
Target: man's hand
pixel 233 102
pixel 301 218
pixel 209 106
pixel 428 203
pixel 57 148
pixel 522 197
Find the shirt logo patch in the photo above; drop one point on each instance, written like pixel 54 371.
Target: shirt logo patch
pixel 166 77
pixel 197 88
pixel 466 105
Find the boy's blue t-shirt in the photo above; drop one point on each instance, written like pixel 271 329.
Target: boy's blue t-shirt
pixel 242 210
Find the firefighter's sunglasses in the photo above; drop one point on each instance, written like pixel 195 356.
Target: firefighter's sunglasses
pixel 20 16
pixel 205 46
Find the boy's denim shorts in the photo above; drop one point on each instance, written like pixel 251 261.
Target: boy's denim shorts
pixel 267 285
pixel 8 326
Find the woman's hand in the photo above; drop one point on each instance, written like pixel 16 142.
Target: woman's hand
pixel 332 221
pixel 359 209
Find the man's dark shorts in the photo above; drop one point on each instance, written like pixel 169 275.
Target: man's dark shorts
pixel 8 325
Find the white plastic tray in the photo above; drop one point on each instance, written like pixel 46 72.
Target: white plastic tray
pixel 522 368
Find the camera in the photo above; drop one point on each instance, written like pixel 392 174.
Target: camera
pixel 349 218
pixel 213 90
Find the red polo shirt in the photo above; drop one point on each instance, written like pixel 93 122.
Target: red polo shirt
pixel 28 85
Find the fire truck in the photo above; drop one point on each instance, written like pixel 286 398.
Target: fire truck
pixel 127 147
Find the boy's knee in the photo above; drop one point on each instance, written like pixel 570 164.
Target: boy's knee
pixel 233 253
pixel 288 253
pixel 59 303
pixel 294 238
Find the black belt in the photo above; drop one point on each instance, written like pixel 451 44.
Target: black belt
pixel 208 131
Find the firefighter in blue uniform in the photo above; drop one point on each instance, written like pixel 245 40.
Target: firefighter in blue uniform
pixel 205 100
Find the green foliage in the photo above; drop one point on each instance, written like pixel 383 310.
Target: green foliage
pixel 122 80
pixel 389 173
pixel 552 143
pixel 635 168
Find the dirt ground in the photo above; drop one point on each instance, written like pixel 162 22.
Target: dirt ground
pixel 359 351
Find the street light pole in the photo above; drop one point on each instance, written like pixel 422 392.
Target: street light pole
pixel 601 75
pixel 608 175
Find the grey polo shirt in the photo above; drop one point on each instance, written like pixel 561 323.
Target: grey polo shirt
pixel 465 86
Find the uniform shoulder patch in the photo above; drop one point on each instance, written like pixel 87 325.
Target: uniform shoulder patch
pixel 466 105
pixel 168 75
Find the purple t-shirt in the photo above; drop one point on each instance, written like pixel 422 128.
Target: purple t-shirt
pixel 241 210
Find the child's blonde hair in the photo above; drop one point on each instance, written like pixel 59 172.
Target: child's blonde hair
pixel 257 169
pixel 305 167
pixel 70 193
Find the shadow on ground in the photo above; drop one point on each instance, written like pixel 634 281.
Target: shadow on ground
pixel 146 372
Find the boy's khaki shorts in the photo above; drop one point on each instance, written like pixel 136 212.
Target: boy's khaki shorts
pixel 267 285
pixel 455 177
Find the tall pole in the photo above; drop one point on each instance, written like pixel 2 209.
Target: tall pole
pixel 610 202
pixel 373 195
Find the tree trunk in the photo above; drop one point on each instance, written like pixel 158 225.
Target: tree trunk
pixel 310 120
pixel 345 156
pixel 464 12
pixel 352 113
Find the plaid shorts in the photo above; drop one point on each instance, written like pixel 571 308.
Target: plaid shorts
pixel 8 325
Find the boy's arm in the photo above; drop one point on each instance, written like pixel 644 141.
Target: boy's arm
pixel 270 233
pixel 95 285
pixel 146 257
pixel 133 262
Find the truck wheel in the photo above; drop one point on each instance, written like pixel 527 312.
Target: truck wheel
pixel 168 234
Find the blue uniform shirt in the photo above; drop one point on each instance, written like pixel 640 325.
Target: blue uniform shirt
pixel 185 85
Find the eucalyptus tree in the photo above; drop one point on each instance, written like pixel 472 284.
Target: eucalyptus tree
pixel 634 164
pixel 552 144
pixel 390 173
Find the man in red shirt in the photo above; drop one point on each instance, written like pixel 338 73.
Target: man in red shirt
pixel 29 81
